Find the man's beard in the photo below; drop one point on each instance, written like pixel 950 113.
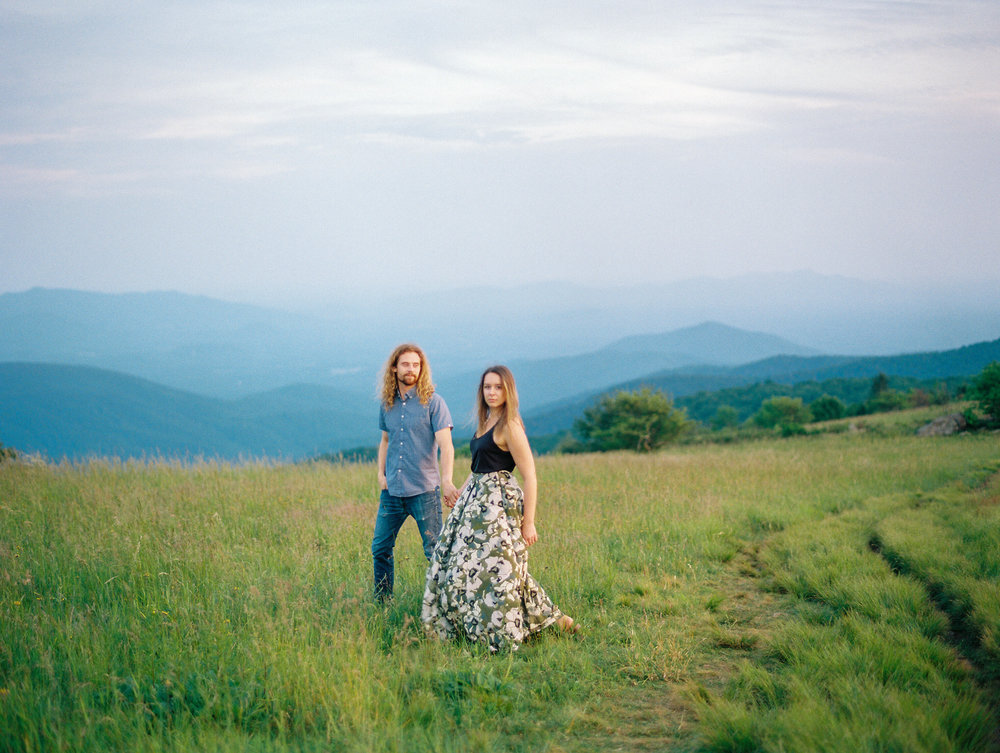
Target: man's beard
pixel 408 379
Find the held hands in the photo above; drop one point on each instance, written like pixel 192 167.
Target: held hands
pixel 449 493
pixel 528 532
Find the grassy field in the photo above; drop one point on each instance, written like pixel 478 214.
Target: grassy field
pixel 834 593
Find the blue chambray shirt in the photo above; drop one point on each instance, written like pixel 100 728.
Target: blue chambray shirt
pixel 411 465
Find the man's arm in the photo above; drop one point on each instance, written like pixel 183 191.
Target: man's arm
pixel 383 451
pixel 447 450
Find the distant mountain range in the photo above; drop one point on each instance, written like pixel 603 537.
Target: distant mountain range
pixel 704 347
pixel 78 411
pixel 188 342
pixel 231 350
pixel 164 373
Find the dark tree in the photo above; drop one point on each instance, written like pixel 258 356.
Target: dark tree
pixel 827 408
pixel 985 390
pixel 784 412
pixel 642 421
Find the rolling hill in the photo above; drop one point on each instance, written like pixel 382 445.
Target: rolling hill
pixel 78 411
pixel 191 343
pixel 711 345
pixel 959 362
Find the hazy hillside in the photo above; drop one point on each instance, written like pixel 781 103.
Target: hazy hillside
pixel 549 380
pixel 188 342
pixel 232 350
pixel 789 370
pixel 77 411
pixel 180 375
pixel 832 314
pixel 81 410
pixel 708 343
pixel 968 359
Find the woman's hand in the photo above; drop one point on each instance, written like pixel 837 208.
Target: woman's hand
pixel 528 533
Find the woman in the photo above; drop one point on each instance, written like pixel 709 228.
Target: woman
pixel 478 585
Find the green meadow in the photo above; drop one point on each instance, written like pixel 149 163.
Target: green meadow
pixel 836 592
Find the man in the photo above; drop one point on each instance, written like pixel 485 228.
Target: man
pixel 415 425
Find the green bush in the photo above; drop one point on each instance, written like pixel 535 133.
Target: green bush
pixel 985 390
pixel 827 408
pixel 642 421
pixel 782 412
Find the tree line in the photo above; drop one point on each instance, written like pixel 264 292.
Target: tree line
pixel 645 419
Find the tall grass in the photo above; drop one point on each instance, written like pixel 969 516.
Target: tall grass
pixel 155 606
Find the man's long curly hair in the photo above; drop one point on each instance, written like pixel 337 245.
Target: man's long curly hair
pixel 387 390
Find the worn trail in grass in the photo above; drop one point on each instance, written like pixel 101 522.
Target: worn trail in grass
pixel 887 635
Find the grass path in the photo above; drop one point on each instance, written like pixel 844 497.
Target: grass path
pixel 887 635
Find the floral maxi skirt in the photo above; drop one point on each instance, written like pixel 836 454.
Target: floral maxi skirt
pixel 478 585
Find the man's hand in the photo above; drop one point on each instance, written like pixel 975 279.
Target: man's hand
pixel 450 493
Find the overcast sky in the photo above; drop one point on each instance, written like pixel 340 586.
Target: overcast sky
pixel 307 150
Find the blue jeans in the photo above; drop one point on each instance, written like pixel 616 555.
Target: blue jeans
pixel 392 513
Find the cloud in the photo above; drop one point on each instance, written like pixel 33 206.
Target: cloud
pixel 724 133
pixel 231 73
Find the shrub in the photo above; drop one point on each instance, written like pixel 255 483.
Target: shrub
pixel 783 412
pixel 827 408
pixel 985 390
pixel 641 421
pixel 886 401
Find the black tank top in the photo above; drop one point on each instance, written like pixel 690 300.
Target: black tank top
pixel 487 457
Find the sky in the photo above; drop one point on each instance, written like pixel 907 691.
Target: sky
pixel 305 151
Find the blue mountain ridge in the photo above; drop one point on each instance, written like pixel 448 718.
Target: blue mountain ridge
pixel 77 412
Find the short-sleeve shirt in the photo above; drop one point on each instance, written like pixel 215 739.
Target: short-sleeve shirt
pixel 411 465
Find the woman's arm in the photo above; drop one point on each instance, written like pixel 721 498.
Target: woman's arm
pixel 517 445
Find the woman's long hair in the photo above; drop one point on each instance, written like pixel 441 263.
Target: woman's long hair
pixel 509 412
pixel 387 390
